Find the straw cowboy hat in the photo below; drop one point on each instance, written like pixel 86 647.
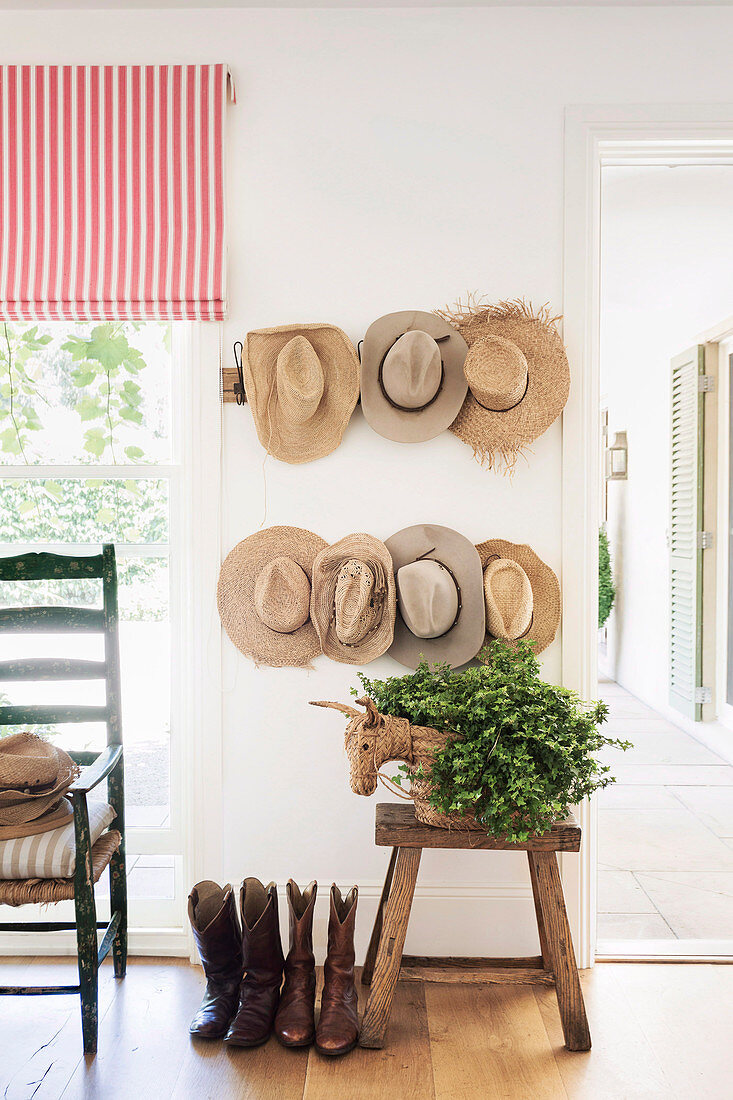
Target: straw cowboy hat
pixel 412 381
pixel 439 596
pixel 302 384
pixel 518 377
pixel 521 594
pixel 264 596
pixel 353 604
pixel 34 776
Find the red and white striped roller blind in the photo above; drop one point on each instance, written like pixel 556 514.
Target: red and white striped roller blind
pixel 112 192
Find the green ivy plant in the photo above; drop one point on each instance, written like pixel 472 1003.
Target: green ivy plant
pixel 606 587
pixel 524 750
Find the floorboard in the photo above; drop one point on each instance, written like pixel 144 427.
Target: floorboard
pixel 659 1031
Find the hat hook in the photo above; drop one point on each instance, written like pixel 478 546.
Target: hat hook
pixel 239 386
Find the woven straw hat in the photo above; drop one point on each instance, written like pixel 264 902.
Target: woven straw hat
pixel 518 377
pixel 439 596
pixel 353 603
pixel 264 596
pixel 412 381
pixel 513 612
pixel 26 760
pixel 302 384
pixel 23 758
pixel 59 815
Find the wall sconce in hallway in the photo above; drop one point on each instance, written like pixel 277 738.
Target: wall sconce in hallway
pixel 617 459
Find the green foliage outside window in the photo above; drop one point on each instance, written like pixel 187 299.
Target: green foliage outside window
pixel 524 750
pixel 606 588
pixel 78 394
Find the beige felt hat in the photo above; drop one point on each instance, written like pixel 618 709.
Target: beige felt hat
pixel 439 596
pixel 518 377
pixel 264 596
pixel 353 602
pixel 412 381
pixel 25 759
pixel 302 384
pixel 521 594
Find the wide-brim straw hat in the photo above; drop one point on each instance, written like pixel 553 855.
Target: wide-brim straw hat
pixel 518 376
pixel 353 604
pixel 246 606
pixel 59 815
pixel 412 425
pixel 461 643
pixel 27 760
pixel 546 598
pixel 26 800
pixel 302 384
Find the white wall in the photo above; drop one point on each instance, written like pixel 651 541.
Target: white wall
pixel 382 160
pixel 667 275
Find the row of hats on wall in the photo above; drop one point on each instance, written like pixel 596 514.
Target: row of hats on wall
pixel 495 375
pixel 285 596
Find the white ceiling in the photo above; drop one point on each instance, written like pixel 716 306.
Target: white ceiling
pixel 92 4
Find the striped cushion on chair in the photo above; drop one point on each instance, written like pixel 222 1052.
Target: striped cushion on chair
pixel 51 854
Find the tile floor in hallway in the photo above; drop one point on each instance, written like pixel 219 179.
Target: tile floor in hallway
pixel 665 848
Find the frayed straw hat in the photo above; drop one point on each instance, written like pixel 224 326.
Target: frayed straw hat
pixel 34 776
pixel 521 594
pixel 412 381
pixel 302 384
pixel 264 596
pixel 353 602
pixel 439 596
pixel 518 377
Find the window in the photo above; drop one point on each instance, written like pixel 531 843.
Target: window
pixel 90 446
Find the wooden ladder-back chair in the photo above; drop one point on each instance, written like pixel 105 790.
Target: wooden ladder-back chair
pixel 109 849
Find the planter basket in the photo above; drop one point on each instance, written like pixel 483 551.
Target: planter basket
pixel 373 739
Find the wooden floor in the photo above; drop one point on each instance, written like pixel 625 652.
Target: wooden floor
pixel 659 1030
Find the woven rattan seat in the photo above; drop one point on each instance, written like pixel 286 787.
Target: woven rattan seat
pixel 45 891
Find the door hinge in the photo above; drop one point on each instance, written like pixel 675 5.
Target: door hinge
pixel 704 540
pixel 706 383
pixel 703 695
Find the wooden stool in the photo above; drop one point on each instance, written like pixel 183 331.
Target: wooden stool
pixel 384 964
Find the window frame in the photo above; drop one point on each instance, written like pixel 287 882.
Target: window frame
pixel 193 836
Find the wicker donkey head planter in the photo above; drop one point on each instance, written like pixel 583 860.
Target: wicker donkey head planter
pixel 373 739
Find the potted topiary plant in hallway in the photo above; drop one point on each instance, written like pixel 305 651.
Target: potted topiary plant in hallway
pixel 493 747
pixel 606 587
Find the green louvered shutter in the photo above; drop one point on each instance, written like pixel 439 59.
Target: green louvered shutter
pixel 686 520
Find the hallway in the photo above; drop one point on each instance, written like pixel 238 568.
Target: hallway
pixel 665 837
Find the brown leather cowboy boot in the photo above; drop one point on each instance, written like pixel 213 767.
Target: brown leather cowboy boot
pixel 262 955
pixel 295 1024
pixel 338 1026
pixel 213 916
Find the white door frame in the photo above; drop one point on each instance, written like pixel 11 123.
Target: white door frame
pixel 596 136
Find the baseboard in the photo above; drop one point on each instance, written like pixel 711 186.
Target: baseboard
pixel 463 919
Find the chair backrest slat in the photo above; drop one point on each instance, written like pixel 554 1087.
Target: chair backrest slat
pixel 47 714
pixel 51 620
pixel 50 567
pixel 52 668
pixel 65 620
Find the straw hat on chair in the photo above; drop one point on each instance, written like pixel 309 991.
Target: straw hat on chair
pixel 34 776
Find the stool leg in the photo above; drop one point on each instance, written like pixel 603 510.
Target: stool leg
pixel 559 943
pixel 368 968
pixel 389 953
pixel 544 949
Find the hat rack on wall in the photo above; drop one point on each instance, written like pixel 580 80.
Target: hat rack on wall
pixel 232 379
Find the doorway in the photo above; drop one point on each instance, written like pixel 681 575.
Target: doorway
pixel 659 842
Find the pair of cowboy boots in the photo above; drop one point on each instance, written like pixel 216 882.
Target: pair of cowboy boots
pixel 244 968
